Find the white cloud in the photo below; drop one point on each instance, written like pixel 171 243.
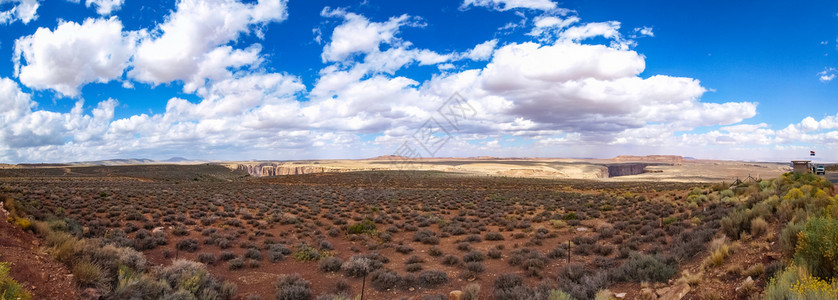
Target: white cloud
pixel 608 30
pixel 358 35
pixel 23 10
pixel 73 55
pixel 548 26
pixel 23 129
pixel 503 5
pixel 192 45
pixel 644 31
pixel 566 88
pixel 827 74
pixel 482 51
pixel 105 7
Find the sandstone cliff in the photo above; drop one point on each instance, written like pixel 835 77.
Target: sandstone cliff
pixel 276 169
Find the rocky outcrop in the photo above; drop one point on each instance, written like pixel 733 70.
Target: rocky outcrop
pixel 626 169
pixel 277 169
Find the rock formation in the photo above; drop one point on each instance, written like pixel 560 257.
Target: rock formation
pixel 276 169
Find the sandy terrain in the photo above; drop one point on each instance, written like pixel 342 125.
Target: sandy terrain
pixel 657 168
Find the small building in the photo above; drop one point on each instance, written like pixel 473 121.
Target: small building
pixel 801 166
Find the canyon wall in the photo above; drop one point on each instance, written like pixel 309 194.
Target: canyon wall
pixel 626 169
pixel 276 169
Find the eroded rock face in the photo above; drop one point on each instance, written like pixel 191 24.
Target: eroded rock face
pixel 626 169
pixel 276 169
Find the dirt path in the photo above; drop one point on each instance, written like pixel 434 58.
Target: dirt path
pixel 32 267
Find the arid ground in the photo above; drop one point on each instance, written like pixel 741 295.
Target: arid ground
pixel 495 228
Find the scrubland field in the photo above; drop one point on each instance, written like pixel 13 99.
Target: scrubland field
pixel 206 232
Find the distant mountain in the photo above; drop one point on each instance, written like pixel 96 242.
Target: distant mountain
pixel 130 161
pixel 177 159
pixel 114 162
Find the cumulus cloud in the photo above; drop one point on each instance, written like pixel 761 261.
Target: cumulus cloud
pixel 575 85
pixel 644 31
pixel 193 44
pixel 73 55
pixel 22 10
pixel 827 74
pixel 358 35
pixel 105 7
pixel 482 51
pixel 589 89
pixel 24 129
pixel 548 26
pixel 503 5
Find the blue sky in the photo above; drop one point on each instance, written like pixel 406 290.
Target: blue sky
pixel 271 79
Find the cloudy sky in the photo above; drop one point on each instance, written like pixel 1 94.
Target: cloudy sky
pixel 272 79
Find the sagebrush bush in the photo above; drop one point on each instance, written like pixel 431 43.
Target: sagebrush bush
pixel 451 260
pixel 188 245
pixel 788 237
pixel 471 291
pixel 735 223
pixel 510 287
pixel 494 254
pixel 293 287
pixel 493 236
pixel 473 256
pixel 253 253
pixel 432 278
pixel 235 263
pixel 207 258
pixel 384 279
pixel 644 267
pixel 359 266
pixel 331 264
pixel 475 267
pixel 193 277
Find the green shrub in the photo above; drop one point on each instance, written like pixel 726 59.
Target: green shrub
pixel 133 285
pixel 788 237
pixel 796 283
pixel 735 223
pixel 366 226
pixel 306 253
pixel 817 247
pixel 559 295
pixel 9 288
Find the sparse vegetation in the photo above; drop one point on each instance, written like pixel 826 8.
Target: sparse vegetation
pixel 478 221
pixel 9 288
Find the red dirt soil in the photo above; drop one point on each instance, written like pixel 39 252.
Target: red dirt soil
pixel 32 267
